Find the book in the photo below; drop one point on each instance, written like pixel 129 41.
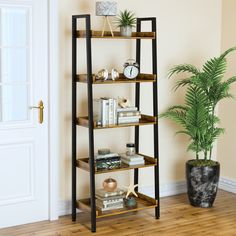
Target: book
pixel 104 116
pixel 132 158
pixel 128 113
pixel 111 208
pixel 115 111
pixel 122 196
pixel 103 193
pixel 133 162
pixel 131 119
pixel 111 111
pixel 107 155
pixel 97 111
pixel 110 205
pixel 123 109
pixel 109 202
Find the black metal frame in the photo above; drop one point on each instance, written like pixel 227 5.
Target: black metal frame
pixel 86 17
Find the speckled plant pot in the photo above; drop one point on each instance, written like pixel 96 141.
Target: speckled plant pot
pixel 202 184
pixel 126 31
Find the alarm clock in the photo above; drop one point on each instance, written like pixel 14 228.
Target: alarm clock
pixel 131 69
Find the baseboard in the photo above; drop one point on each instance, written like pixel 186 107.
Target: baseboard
pixel 165 190
pixel 228 185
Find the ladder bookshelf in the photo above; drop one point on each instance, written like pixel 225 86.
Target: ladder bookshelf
pixel 143 201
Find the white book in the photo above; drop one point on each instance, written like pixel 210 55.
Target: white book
pixel 124 120
pixel 128 121
pixel 110 202
pixel 97 111
pixel 128 113
pixel 129 117
pixel 105 105
pixel 111 111
pixel 122 109
pixel 133 162
pixel 112 208
pixel 114 111
pixel 132 158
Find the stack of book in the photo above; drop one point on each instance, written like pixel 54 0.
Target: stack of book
pixel 107 161
pixel 106 201
pixel 132 160
pixel 128 115
pixel 104 111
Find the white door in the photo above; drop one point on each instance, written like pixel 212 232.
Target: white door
pixel 23 140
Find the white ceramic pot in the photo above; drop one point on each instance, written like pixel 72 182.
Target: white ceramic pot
pixel 126 31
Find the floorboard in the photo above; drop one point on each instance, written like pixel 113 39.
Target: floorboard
pixel 177 218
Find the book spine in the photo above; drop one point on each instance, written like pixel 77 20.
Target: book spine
pixel 105 203
pixel 132 163
pixel 128 113
pixel 110 111
pixel 115 112
pixel 129 118
pixel 121 109
pixel 105 104
pixel 132 159
pixel 97 111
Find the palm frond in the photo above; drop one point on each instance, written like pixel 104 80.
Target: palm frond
pixel 183 68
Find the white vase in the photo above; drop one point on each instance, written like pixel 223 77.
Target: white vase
pixel 126 31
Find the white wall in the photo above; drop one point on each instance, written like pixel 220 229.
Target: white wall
pixel 226 144
pixel 188 31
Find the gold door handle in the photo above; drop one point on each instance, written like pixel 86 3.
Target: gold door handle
pixel 40 107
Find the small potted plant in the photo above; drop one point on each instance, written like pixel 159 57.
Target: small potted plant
pixel 126 20
pixel 197 117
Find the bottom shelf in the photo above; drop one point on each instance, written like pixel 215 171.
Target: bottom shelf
pixel 143 202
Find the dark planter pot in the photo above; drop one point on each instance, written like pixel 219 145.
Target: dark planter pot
pixel 202 184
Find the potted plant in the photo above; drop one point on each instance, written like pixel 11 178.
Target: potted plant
pixel 126 20
pixel 205 89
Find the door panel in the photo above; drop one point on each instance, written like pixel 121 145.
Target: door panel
pixel 23 83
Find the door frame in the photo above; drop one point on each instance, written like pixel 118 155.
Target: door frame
pixel 54 134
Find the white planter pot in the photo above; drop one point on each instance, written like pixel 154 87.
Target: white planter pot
pixel 126 31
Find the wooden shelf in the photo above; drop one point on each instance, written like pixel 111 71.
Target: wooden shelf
pixel 107 35
pixel 83 163
pixel 143 202
pixel 142 78
pixel 144 120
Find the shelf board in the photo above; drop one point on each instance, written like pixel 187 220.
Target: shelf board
pixel 144 120
pixel 107 35
pixel 83 163
pixel 141 78
pixel 143 202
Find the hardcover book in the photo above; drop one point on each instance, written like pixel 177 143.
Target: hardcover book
pixel 103 193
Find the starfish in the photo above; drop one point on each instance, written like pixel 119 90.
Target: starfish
pixel 130 189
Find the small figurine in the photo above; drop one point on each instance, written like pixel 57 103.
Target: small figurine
pixel 123 102
pixel 109 184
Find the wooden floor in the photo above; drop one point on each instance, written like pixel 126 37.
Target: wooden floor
pixel 177 218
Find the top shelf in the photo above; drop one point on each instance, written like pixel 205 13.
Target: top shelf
pixel 107 35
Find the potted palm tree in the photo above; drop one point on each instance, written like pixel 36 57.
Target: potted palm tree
pixel 205 89
pixel 126 21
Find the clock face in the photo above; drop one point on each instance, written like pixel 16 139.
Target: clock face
pixel 131 72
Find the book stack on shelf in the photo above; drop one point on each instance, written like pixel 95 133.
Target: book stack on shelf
pixel 106 201
pixel 105 160
pixel 128 115
pixel 132 159
pixel 106 111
